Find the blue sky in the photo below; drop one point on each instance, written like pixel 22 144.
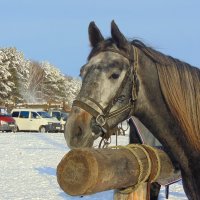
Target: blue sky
pixel 57 30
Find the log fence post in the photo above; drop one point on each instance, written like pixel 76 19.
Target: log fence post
pixel 85 171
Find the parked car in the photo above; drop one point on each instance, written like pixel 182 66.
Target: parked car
pixel 35 120
pixel 7 123
pixel 60 115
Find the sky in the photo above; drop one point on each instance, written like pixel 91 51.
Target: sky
pixel 57 30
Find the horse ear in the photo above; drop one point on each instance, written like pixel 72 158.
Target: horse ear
pixel 117 36
pixel 95 35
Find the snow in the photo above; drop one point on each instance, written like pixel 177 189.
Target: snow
pixel 28 168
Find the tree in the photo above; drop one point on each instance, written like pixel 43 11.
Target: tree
pixel 18 67
pixel 72 87
pixel 35 83
pixel 31 81
pixel 54 83
pixel 6 85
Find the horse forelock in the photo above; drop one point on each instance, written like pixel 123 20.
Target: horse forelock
pixel 102 46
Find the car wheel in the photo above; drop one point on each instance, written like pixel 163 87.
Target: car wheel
pixel 42 129
pixel 15 129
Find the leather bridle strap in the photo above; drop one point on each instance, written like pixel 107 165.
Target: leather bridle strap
pixel 114 99
pixel 120 110
pixel 86 107
pixel 104 114
pixel 100 119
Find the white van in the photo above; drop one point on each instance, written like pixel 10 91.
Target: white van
pixel 35 120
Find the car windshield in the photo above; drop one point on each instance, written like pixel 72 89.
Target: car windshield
pixel 56 115
pixel 44 114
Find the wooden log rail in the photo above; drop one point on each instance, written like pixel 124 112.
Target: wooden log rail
pixel 85 171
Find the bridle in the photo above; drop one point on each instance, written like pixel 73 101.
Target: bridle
pixel 102 115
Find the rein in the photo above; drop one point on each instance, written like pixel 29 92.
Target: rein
pixel 102 115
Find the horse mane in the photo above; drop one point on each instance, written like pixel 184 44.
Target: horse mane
pixel 180 86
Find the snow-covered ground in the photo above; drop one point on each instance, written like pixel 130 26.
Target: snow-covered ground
pixel 28 164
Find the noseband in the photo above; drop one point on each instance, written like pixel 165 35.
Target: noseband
pixel 102 115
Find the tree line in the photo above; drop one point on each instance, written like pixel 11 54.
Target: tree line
pixel 23 80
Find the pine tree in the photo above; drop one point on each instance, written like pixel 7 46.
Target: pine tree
pixel 72 87
pixel 18 67
pixel 53 84
pixel 23 80
pixel 6 86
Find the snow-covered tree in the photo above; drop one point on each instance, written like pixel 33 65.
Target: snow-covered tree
pixel 6 85
pixel 53 84
pixel 72 87
pixel 59 87
pixel 22 80
pixel 18 67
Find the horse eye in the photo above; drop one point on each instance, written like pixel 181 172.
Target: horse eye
pixel 114 76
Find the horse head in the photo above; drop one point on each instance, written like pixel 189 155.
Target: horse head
pixel 109 88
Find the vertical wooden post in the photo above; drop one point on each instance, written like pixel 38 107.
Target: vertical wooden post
pixel 139 194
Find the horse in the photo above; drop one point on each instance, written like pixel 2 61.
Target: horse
pixel 127 78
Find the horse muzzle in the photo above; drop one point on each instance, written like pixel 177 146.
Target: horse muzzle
pixel 78 132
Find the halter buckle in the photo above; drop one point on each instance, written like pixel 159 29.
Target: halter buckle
pixel 101 120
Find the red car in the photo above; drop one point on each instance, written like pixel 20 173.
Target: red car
pixel 7 123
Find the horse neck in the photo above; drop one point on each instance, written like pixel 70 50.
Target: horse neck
pixel 152 111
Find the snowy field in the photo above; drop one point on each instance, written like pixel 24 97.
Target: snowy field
pixel 28 164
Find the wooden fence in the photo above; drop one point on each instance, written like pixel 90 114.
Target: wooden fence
pixel 129 170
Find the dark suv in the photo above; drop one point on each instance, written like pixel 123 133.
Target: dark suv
pixel 60 115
